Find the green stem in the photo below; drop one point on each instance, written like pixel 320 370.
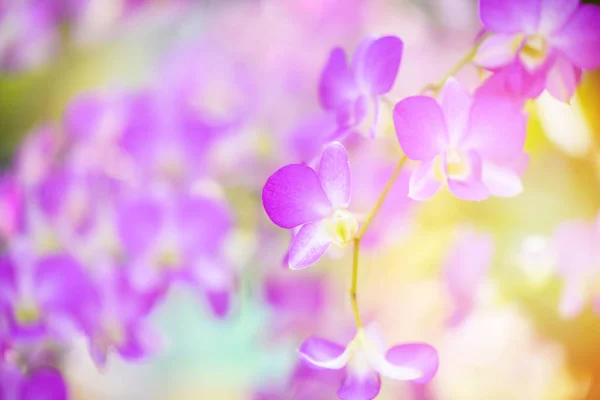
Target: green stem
pixel 362 232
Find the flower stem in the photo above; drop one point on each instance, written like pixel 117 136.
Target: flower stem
pixel 362 232
pixel 436 87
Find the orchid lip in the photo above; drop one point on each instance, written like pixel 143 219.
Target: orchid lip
pixel 342 226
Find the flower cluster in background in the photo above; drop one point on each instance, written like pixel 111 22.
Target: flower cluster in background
pixel 399 170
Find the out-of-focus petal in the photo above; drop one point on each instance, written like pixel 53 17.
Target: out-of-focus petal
pixel 44 384
pixel 419 357
pixel 576 247
pixel 563 79
pixel 420 127
pixel 497 50
pixel 323 353
pixel 510 16
pixel 219 302
pixel 139 223
pixel 573 298
pixel 455 102
pixel 423 183
pixel 579 39
pixel 470 187
pixel 308 245
pixel 141 341
pixel 555 13
pixel 293 196
pixel 497 129
pixel 500 181
pixel 377 66
pixel 334 174
pixel 360 385
pixel 336 86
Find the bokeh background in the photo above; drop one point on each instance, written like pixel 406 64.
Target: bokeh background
pixel 514 345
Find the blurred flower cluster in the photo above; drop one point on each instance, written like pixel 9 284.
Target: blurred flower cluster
pixel 139 192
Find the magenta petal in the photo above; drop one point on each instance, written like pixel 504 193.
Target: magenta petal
pixel 323 353
pixel 472 187
pixel 497 129
pixel 44 384
pixel 308 245
pixel 423 184
pixel 336 86
pixel 579 39
pixel 219 301
pixel 455 103
pixel 360 386
pixel 496 51
pixel 419 356
pixel 293 196
pixel 563 79
pixel 141 342
pixel 510 16
pixel 379 65
pixel 420 127
pixel 555 13
pixel 139 223
pixel 334 174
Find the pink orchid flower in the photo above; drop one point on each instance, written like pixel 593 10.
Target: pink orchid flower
pixel 352 90
pixel 539 44
pixel 314 203
pixel 472 143
pixel 364 362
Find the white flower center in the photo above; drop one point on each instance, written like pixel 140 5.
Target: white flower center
pixel 342 227
pixel 457 166
pixel 534 51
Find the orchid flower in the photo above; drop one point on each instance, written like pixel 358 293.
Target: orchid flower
pixel 353 90
pixel 364 362
pixel 540 44
pixel 469 142
pixel 314 203
pixel 180 241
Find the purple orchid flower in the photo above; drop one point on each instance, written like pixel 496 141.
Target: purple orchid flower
pixel 121 320
pixel 183 241
pixel 313 203
pixel 11 207
pixel 540 44
pixel 352 91
pixel 578 257
pixel 45 295
pixel 364 362
pixel 467 264
pixel 470 143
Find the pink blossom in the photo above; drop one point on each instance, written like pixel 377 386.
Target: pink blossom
pixel 539 44
pixel 314 203
pixel 472 143
pixel 364 361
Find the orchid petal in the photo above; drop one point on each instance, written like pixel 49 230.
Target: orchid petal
pixel 573 298
pixel 470 187
pixel 45 383
pixel 139 223
pixel 579 39
pixel 455 103
pixel 497 50
pixel 334 174
pixel 420 127
pixel 497 129
pixel 423 183
pixel 376 68
pixel 293 196
pixel 510 16
pixel 336 86
pixel 308 245
pixel 323 353
pixel 501 181
pixel 563 79
pixel 412 357
pixel 555 13
pixel 360 385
